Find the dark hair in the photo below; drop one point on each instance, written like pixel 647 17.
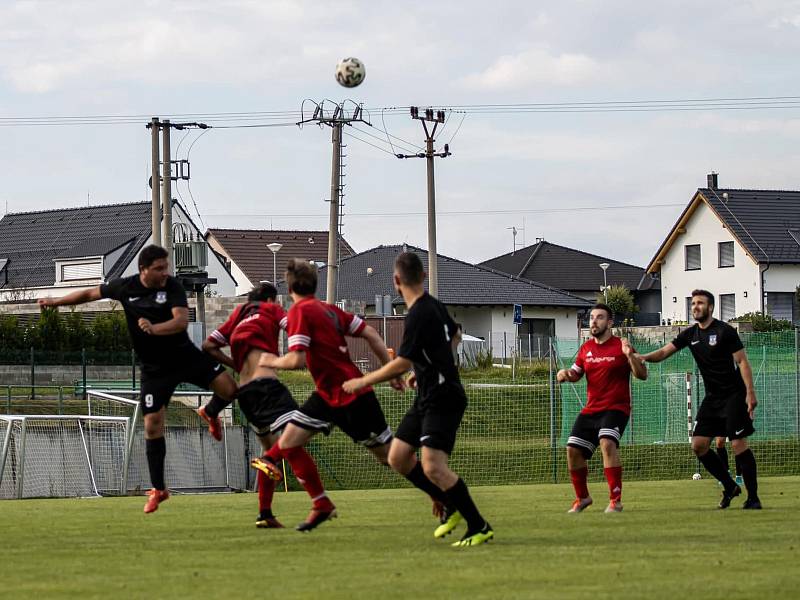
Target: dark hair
pixel 262 292
pixel 605 307
pixel 409 268
pixel 150 254
pixel 301 277
pixel 709 296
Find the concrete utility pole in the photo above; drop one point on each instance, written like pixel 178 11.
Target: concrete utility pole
pixel 166 194
pixel 335 120
pixel 155 188
pixel 436 118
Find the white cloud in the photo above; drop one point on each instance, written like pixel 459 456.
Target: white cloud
pixel 537 67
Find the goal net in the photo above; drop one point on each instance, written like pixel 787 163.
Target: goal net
pixel 62 455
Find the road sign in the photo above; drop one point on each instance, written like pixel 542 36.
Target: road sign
pixel 518 314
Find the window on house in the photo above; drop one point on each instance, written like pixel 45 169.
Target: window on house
pixel 81 270
pixel 727 306
pixel 725 254
pixel 688 309
pixel 780 305
pixel 692 257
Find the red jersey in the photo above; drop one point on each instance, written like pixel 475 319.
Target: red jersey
pixel 318 329
pixel 608 376
pixel 254 325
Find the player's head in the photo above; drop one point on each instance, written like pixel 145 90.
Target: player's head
pixel 601 318
pixel 702 305
pixel 263 292
pixel 153 266
pixel 408 270
pixel 301 277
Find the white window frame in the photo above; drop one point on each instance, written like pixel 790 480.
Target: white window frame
pixel 94 261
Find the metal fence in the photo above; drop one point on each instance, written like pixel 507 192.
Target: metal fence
pixel 513 431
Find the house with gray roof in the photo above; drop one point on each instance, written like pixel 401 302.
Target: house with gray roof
pixel 579 273
pixel 741 245
pixel 54 252
pixel 480 298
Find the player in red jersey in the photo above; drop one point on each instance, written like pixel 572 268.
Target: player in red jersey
pixel 608 362
pixel 317 333
pixel 252 331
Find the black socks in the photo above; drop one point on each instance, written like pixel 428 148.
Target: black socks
pixel 747 463
pixel 458 496
pixel 156 453
pixel 714 465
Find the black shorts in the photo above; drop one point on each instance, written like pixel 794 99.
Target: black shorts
pixel 731 420
pixel 362 419
pixel 267 404
pixel 159 381
pixel 589 429
pixel 434 421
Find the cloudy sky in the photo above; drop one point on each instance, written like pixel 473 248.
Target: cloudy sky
pixel 562 175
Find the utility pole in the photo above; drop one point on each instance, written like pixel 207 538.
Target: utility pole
pixel 435 117
pixel 336 121
pixel 166 194
pixel 154 183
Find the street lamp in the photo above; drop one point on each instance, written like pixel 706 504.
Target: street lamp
pixel 605 266
pixel 274 248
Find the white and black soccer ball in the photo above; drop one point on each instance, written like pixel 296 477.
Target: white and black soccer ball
pixel 697 477
pixel 350 72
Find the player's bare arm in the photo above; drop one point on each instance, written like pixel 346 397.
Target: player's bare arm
pixel 79 297
pixel 638 367
pixel 214 348
pixel 747 376
pixel 179 322
pixel 391 370
pixel 289 361
pixel 570 375
pixel 662 353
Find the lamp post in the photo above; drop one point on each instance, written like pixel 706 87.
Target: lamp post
pixel 275 248
pixel 605 266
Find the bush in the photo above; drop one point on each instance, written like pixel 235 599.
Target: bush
pixel 620 300
pixel 762 322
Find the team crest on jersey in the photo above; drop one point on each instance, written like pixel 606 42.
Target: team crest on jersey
pixel 712 340
pixel 161 297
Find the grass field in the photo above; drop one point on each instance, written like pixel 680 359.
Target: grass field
pixel 670 542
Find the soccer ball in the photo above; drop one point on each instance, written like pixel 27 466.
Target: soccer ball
pixel 350 72
pixel 697 477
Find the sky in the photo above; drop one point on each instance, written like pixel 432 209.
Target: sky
pixel 607 182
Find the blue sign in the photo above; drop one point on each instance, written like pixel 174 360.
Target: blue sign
pixel 518 314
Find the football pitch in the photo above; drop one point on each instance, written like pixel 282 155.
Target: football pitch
pixel 670 542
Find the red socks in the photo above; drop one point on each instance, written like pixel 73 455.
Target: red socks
pixel 578 478
pixel 304 470
pixel 614 478
pixel 266 488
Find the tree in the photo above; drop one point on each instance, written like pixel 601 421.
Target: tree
pixel 620 300
pixel 77 334
pixel 762 322
pixel 110 332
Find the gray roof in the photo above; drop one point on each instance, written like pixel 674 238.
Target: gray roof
pixel 568 269
pixel 460 283
pixel 32 240
pixel 766 222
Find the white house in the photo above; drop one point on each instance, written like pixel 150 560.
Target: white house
pixel 741 245
pixel 54 252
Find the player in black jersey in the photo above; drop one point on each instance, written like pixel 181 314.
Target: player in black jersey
pixel 157 314
pixel 728 408
pixel 431 423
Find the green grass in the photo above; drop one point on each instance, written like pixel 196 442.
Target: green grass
pixel 669 543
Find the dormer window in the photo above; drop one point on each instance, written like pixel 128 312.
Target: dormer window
pixel 81 269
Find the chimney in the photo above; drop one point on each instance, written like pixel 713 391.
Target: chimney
pixel 711 179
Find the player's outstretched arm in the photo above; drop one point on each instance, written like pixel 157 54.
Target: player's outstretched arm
pixel 747 376
pixel 391 370
pixel 213 348
pixel 295 359
pixel 79 297
pixel 662 353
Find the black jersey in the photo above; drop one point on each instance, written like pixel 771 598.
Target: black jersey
pixel 155 305
pixel 427 343
pixel 713 349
